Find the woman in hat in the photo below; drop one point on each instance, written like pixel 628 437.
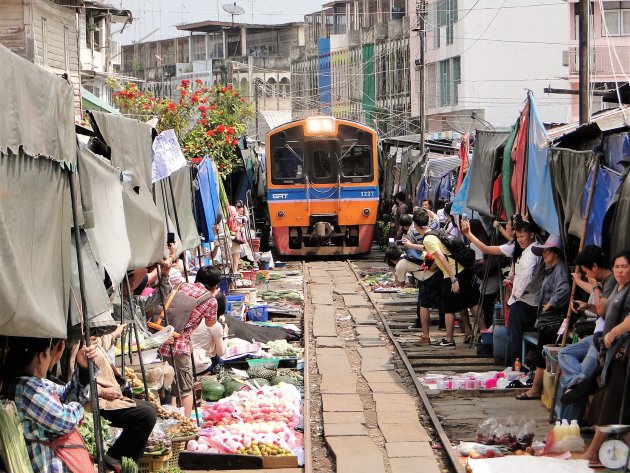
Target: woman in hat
pixel 555 295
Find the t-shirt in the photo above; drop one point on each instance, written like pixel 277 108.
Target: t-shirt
pixel 433 244
pixel 608 286
pixel 617 308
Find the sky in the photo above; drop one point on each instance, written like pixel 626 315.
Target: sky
pixel 156 19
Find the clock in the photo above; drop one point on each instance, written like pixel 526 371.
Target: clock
pixel 614 454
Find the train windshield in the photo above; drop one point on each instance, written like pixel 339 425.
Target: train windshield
pixel 287 163
pixel 356 161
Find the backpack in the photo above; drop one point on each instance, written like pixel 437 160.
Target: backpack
pixel 180 307
pixel 462 254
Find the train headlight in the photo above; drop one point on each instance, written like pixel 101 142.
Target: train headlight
pixel 320 126
pixel 280 214
pixel 366 212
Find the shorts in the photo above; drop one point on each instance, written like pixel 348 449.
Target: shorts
pixel 235 248
pixel 467 297
pixel 429 291
pixel 184 374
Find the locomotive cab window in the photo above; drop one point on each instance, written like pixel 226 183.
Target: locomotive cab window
pixel 287 165
pixel 322 164
pixel 356 163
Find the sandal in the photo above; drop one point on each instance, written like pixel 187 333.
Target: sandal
pixel 526 397
pixel 516 384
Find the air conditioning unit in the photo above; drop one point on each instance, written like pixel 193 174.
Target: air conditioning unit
pixel 565 58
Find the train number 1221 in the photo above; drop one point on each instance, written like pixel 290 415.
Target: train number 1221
pixel 367 193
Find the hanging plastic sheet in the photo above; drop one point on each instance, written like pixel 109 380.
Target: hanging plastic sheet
pixel 131 143
pixel 518 157
pixel 605 189
pixel 208 188
pixel 459 202
pixel 463 154
pixel 506 173
pixel 96 298
pixel 617 230
pixel 616 151
pixel 180 182
pixel 540 201
pixel 108 234
pixel 569 171
pixel 35 229
pixel 488 150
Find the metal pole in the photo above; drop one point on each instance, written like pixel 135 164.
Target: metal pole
pixel 567 321
pixel 135 332
pixel 122 336
pixel 584 59
pixel 256 108
pixel 421 12
pixel 98 437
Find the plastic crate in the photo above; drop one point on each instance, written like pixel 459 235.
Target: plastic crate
pixel 258 314
pixel 271 363
pixel 153 463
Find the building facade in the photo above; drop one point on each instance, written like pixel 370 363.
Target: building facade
pixel 252 58
pixel 70 37
pixel 355 65
pixel 610 50
pixel 481 58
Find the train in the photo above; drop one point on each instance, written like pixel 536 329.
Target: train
pixel 322 186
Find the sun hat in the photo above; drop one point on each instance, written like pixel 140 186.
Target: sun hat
pixel 553 241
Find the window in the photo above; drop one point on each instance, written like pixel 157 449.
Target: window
pixel 356 161
pixel 287 164
pixel 450 78
pixel 322 164
pixel 616 17
pixel 66 48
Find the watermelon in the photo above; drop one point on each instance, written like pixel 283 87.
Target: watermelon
pixel 283 379
pixel 232 386
pixel 261 381
pixel 212 390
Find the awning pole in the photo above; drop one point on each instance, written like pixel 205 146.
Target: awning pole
pixel 98 436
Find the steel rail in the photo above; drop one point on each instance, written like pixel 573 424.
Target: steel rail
pixel 437 425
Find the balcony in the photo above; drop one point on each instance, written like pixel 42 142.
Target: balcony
pixel 601 64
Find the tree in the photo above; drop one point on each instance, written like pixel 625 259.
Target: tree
pixel 206 120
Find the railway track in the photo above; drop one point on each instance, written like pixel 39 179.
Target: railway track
pixel 454 415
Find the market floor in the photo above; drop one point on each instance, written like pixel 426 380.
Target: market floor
pixel 370 418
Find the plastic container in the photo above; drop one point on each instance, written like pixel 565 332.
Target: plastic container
pixel 499 342
pixel 271 362
pixel 551 357
pixel 255 245
pixel 263 265
pixel 224 284
pixel 258 314
pixel 280 264
pixel 151 463
pixel 235 298
pixel 486 337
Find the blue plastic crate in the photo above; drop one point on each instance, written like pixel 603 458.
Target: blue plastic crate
pixel 258 314
pixel 235 298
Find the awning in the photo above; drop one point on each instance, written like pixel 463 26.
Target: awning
pixel 92 102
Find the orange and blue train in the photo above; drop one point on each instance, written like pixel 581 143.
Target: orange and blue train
pixel 322 186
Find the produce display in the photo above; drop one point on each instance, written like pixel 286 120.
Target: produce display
pixel 261 371
pixel 280 403
pixel 263 449
pixel 240 436
pixel 134 380
pixel 159 443
pixel 86 429
pixel 284 294
pixel 281 348
pixel 186 426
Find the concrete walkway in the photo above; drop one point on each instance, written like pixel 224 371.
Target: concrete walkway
pixel 358 382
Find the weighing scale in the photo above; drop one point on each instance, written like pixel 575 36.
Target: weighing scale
pixel 614 453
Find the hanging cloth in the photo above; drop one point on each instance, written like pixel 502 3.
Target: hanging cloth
pixel 506 172
pixel 519 158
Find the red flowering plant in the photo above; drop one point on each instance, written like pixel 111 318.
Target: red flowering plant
pixel 207 120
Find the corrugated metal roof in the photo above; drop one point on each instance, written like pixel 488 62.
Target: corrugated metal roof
pixel 275 118
pixel 438 164
pixel 605 121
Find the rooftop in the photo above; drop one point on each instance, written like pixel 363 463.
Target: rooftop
pixel 212 26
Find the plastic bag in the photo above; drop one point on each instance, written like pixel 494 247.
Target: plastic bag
pixel 477 450
pixel 572 443
pixel 157 339
pixel 486 431
pixel 525 434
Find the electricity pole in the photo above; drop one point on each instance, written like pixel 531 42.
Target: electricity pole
pixel 421 12
pixel 585 60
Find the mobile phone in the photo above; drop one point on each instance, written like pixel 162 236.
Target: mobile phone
pixel 465 218
pixel 170 238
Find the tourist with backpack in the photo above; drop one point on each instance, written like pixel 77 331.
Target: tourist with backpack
pixel 459 290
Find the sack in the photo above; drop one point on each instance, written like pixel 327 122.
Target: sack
pixel 71 450
pixel 180 307
pixel 462 254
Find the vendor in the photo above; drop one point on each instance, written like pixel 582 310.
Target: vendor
pixel 49 412
pixel 135 417
pixel 207 279
pixel 208 342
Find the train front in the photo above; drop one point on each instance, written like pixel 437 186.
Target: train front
pixel 322 186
